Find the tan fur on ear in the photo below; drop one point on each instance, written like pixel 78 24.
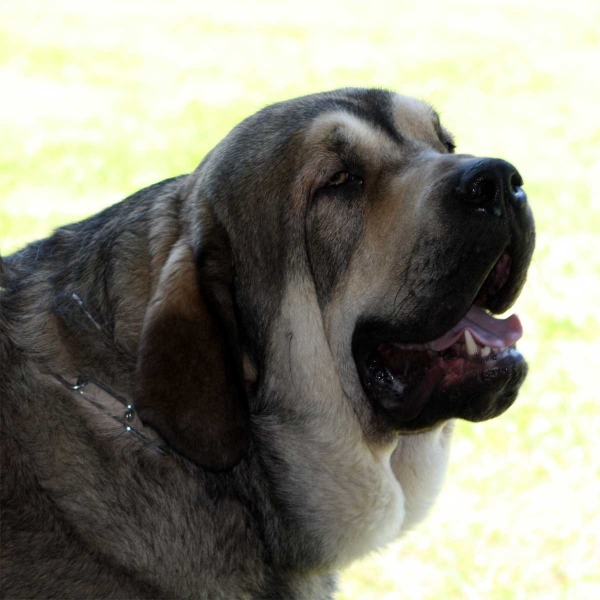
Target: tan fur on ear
pixel 189 370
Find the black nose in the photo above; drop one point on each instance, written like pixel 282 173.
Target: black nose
pixel 490 183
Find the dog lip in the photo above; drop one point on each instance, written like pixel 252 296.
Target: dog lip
pixel 489 299
pixel 495 281
pixel 416 389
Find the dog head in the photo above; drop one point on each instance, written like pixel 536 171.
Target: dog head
pixel 337 242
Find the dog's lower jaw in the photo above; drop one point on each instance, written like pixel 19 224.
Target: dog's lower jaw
pixel 419 463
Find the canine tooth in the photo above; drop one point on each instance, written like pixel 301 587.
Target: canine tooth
pixel 485 351
pixel 470 342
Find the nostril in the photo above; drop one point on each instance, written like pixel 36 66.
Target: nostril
pixel 516 181
pixel 516 194
pixel 483 189
pixel 483 193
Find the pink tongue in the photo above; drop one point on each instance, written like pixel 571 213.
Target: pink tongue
pixel 485 329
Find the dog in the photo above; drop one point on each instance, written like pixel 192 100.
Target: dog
pixel 236 382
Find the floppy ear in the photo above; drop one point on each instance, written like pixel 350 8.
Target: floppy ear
pixel 189 373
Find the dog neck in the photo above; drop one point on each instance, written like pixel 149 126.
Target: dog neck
pixel 333 473
pixel 102 398
pixel 112 405
pixel 86 316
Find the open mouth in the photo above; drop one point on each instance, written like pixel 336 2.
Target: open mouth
pixel 472 371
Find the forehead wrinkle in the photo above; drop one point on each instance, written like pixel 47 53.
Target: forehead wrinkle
pixel 359 134
pixel 416 119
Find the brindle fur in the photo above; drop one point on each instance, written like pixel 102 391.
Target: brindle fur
pixel 220 303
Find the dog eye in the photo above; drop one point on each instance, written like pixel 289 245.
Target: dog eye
pixel 342 177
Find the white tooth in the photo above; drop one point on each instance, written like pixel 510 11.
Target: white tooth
pixel 485 351
pixel 470 342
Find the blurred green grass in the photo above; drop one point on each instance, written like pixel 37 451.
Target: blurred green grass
pixel 99 100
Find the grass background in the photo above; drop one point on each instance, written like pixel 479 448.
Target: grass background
pixel 100 99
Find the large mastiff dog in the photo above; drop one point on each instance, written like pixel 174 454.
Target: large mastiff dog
pixel 296 324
